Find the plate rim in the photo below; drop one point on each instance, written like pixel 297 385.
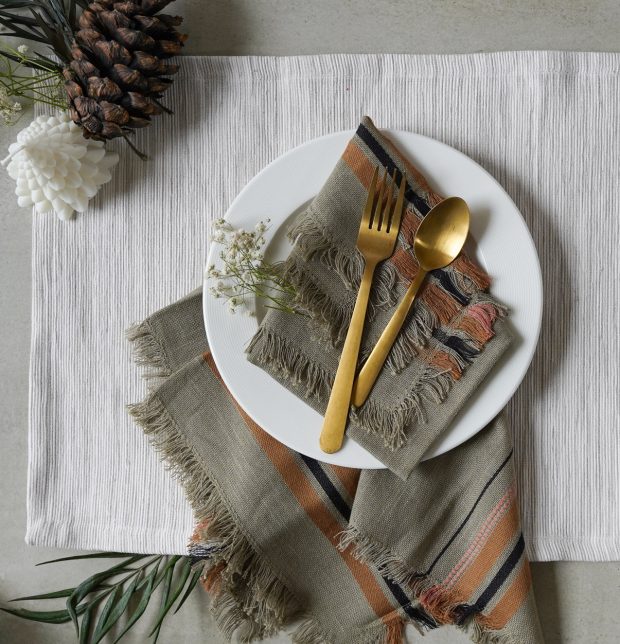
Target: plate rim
pixel 442 444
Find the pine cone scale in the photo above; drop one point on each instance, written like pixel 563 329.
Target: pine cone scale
pixel 119 67
pixel 112 20
pixel 103 89
pixel 110 52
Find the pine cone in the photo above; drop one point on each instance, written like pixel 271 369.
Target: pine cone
pixel 118 72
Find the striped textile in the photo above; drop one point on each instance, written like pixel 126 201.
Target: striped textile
pixel 346 555
pixel 544 124
pixel 451 339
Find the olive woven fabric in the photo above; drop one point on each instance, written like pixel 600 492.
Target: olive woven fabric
pixel 451 339
pixel 343 556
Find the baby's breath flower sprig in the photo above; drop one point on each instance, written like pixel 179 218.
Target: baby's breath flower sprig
pixel 244 270
pixel 18 83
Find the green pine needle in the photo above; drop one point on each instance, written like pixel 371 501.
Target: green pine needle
pixel 48 22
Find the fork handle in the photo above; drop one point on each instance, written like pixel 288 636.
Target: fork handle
pixel 372 367
pixel 337 412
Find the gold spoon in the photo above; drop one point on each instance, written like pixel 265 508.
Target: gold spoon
pixel 439 239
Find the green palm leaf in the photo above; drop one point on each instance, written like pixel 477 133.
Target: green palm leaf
pixel 85 625
pixel 135 576
pixel 172 595
pixel 166 594
pixel 142 604
pixel 93 583
pixel 55 595
pixel 105 624
pixel 107 609
pixel 94 555
pixel 47 616
pixel 188 591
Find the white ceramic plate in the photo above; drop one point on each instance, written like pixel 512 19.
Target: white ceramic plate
pixel 500 241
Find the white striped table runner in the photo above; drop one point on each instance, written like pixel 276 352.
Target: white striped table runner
pixel 545 124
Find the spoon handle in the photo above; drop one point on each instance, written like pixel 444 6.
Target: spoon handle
pixel 372 367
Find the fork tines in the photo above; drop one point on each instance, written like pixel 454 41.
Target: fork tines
pixel 382 209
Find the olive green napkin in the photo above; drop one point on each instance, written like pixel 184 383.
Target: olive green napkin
pixel 341 556
pixel 452 338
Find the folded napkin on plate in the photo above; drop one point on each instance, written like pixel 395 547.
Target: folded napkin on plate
pixel 438 356
pixel 352 555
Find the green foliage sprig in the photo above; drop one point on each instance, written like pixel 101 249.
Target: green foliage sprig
pixel 127 588
pixel 44 23
pixel 18 82
pixel 47 22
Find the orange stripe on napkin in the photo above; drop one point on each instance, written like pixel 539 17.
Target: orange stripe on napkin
pixel 480 278
pixel 439 301
pixel 511 600
pixel 363 169
pixel 503 534
pixel 359 163
pixel 296 480
pixel 405 263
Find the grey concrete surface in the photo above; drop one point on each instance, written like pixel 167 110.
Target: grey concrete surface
pixel 579 603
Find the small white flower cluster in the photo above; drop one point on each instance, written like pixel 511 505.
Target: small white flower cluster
pixel 242 268
pixel 10 110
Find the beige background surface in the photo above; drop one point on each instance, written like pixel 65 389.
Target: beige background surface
pixel 578 602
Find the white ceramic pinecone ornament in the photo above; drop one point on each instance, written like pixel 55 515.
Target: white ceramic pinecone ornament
pixel 56 168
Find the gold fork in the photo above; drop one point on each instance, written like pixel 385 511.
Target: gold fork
pixel 375 241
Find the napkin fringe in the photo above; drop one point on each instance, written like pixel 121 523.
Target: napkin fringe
pixel 462 339
pixel 335 317
pixel 313 241
pixel 309 632
pixel 468 325
pixel 413 336
pixel 248 598
pixel 481 635
pixel 331 315
pixel 389 423
pixel 392 424
pixel 441 606
pixel 269 350
pixel 387 563
pixel 147 351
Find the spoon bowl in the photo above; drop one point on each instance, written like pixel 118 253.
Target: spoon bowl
pixel 442 233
